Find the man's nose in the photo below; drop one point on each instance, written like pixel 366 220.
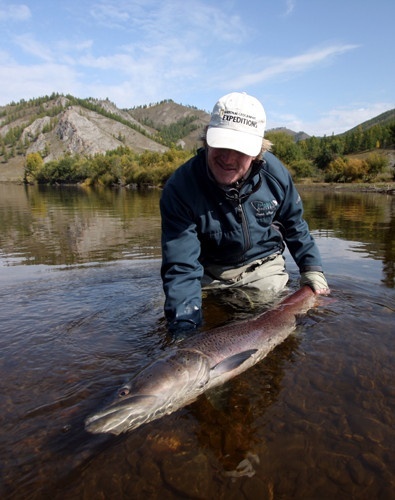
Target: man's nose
pixel 229 155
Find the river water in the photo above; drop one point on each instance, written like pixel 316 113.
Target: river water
pixel 81 311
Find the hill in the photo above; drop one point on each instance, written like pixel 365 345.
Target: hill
pixel 182 125
pixel 383 119
pixel 298 136
pixel 58 125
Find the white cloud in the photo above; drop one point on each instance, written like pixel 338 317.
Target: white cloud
pixel 290 6
pixel 223 25
pixel 340 120
pixel 14 12
pixel 112 15
pixel 76 46
pixel 30 45
pixel 291 65
pixel 157 20
pixel 57 51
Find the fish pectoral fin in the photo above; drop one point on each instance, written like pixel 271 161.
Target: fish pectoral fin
pixel 232 362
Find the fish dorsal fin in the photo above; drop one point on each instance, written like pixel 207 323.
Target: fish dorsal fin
pixel 232 362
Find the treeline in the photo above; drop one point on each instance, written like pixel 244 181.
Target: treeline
pixel 121 167
pixel 170 134
pixel 18 109
pixel 319 159
pixel 164 101
pixel 330 158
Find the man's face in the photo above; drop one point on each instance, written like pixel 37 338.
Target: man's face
pixel 227 165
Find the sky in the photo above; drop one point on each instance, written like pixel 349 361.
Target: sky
pixel 318 66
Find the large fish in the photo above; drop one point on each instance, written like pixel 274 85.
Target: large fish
pixel 201 362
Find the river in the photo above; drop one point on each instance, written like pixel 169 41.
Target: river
pixel 81 310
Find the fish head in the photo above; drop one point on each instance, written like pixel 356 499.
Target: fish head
pixel 162 387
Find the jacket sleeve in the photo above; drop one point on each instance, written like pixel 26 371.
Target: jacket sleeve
pixel 181 270
pixel 293 226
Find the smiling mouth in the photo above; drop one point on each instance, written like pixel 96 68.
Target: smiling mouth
pixel 226 168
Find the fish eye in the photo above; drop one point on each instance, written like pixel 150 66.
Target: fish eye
pixel 123 392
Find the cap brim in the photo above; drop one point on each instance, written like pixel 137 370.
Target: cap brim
pixel 247 144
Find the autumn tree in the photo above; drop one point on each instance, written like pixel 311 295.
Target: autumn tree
pixel 33 165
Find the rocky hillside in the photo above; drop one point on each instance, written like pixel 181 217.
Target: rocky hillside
pixel 59 125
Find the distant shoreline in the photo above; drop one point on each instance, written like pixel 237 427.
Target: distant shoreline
pixel 374 187
pixel 13 174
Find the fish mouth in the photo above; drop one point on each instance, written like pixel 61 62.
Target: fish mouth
pixel 122 416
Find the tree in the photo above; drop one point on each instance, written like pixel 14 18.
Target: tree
pixel 34 163
pixel 392 133
pixel 284 147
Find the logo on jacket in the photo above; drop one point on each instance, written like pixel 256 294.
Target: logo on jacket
pixel 265 208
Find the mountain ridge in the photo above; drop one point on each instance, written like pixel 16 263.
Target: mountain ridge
pixel 59 125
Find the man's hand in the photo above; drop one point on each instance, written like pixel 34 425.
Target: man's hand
pixel 316 281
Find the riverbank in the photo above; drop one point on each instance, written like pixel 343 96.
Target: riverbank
pixel 13 172
pixel 374 187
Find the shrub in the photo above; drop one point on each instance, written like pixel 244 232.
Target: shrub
pixel 346 170
pixel 302 169
pixel 376 164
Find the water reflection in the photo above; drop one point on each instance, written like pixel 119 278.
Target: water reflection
pixel 64 226
pixel 367 219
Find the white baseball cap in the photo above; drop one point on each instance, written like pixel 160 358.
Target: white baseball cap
pixel 237 122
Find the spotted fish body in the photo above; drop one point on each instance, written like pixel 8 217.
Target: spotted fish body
pixel 201 362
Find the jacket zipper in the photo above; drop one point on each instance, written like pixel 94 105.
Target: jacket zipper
pixel 237 198
pixel 243 220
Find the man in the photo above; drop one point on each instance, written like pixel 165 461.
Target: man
pixel 227 215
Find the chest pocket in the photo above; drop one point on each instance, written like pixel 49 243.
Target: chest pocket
pixel 264 211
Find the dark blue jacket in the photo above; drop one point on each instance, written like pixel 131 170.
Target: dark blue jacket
pixel 204 224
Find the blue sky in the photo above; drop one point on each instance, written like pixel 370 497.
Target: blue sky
pixel 321 66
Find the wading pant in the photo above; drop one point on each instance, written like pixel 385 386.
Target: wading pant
pixel 259 281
